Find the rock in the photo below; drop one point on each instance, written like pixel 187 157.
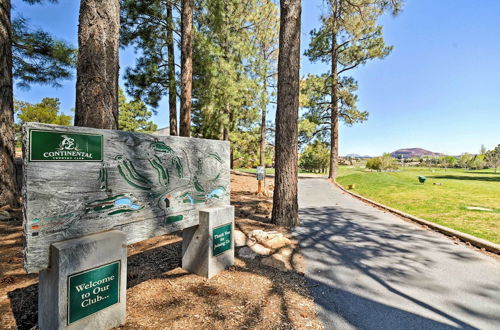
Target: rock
pixel 277 242
pixel 259 249
pixel 278 261
pixel 240 239
pixel 247 253
pixel 273 240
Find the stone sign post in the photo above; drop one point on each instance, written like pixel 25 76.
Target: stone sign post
pixel 85 287
pixel 90 192
pixel 209 247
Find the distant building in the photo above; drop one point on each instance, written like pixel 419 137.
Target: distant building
pixel 162 131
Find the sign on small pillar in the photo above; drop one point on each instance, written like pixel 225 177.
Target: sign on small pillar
pixel 93 290
pixel 261 172
pixel 208 248
pixel 90 192
pixel 222 239
pixel 85 286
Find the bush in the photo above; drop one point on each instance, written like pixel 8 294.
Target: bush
pixel 374 164
pixel 383 163
pixel 315 157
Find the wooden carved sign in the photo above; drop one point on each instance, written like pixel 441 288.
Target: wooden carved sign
pixel 80 181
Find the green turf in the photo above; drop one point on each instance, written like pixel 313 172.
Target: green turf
pixel 443 204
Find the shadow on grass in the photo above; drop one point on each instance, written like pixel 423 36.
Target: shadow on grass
pixel 467 178
pixel 487 173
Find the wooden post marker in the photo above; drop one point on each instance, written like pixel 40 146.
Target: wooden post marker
pixel 90 192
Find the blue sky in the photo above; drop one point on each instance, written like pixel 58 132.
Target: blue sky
pixel 439 89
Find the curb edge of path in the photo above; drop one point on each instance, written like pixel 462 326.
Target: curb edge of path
pixel 478 242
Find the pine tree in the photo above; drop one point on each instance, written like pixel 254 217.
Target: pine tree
pixel 266 38
pixel 233 62
pixel 29 57
pixel 349 37
pixel 149 25
pixel 97 69
pixel 285 204
pixel 47 111
pixel 7 136
pixel 38 57
pixel 186 66
pixel 134 115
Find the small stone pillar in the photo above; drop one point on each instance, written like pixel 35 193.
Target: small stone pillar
pixel 85 286
pixel 208 248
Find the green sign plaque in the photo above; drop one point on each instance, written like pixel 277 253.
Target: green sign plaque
pixel 221 239
pixel 50 146
pixel 93 290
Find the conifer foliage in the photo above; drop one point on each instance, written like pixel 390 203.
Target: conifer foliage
pixel 348 37
pixel 29 56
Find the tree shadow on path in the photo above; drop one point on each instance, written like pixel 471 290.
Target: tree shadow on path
pixel 339 248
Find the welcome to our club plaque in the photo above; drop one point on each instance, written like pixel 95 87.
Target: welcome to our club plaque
pixel 93 290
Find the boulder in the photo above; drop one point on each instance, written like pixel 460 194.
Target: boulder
pixel 259 249
pixel 272 239
pixel 240 239
pixel 246 253
pixel 278 261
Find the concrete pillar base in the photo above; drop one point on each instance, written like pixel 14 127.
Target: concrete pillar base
pixel 208 248
pixel 85 286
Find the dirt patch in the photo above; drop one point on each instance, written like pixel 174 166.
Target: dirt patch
pixel 160 295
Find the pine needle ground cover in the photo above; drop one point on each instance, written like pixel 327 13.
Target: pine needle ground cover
pixel 444 198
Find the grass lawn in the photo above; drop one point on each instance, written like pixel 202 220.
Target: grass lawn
pixel 443 204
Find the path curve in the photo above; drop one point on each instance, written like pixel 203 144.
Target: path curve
pixel 369 269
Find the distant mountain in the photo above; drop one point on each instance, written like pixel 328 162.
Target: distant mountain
pixel 413 152
pixel 356 156
pixel 352 156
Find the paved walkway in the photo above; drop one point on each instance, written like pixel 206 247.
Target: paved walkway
pixel 369 269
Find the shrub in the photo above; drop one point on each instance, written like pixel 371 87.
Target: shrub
pixel 383 163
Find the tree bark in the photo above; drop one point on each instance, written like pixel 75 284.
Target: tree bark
pixel 172 92
pixel 186 66
pixel 285 205
pixel 97 68
pixel 334 118
pixel 263 125
pixel 8 186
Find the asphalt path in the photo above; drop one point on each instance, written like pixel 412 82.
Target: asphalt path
pixel 369 269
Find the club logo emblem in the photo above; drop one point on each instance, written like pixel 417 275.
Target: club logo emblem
pixel 68 144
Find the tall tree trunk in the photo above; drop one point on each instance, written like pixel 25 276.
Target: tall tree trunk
pixel 263 125
pixel 226 131
pixel 186 66
pixel 172 92
pixel 285 205
pixel 97 68
pixel 334 118
pixel 8 186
